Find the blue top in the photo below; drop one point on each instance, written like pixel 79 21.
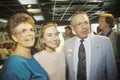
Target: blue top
pixel 19 68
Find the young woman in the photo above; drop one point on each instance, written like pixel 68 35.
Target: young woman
pixel 21 65
pixel 50 59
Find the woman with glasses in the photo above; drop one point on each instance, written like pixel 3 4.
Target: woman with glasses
pixel 21 65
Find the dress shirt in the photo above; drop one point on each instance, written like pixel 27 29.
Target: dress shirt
pixel 88 56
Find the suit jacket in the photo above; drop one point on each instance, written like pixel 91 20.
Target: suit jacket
pixel 103 65
pixel 114 36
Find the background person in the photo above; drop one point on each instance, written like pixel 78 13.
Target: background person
pixel 98 58
pixel 107 22
pixel 21 65
pixel 48 56
pixel 68 33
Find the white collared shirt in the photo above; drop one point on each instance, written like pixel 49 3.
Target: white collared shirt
pixel 88 56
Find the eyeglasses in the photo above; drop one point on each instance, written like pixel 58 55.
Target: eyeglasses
pixel 80 23
pixel 24 32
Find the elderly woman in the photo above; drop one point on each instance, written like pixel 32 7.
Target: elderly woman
pixel 21 65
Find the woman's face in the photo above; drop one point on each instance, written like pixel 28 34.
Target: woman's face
pixel 51 38
pixel 24 35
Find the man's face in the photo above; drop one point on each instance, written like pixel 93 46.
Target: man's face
pixel 68 32
pixel 81 25
pixel 103 25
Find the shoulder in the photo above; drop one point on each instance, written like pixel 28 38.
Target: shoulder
pixel 14 62
pixel 14 58
pixel 98 38
pixel 71 40
pixel 15 67
pixel 37 55
pixel 116 32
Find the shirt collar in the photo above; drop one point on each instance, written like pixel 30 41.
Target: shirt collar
pixel 85 40
pixel 106 33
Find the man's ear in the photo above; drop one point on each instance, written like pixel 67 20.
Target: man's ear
pixel 14 38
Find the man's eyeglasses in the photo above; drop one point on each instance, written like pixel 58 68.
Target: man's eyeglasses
pixel 80 23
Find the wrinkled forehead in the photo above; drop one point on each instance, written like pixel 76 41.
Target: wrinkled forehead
pixel 101 18
pixel 80 18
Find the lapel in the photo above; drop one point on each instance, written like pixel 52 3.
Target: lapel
pixel 69 52
pixel 94 57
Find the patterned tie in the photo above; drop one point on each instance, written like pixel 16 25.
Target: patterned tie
pixel 81 72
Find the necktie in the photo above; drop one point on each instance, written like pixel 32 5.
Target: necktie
pixel 81 71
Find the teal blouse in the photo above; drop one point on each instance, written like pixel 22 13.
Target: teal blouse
pixel 19 68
